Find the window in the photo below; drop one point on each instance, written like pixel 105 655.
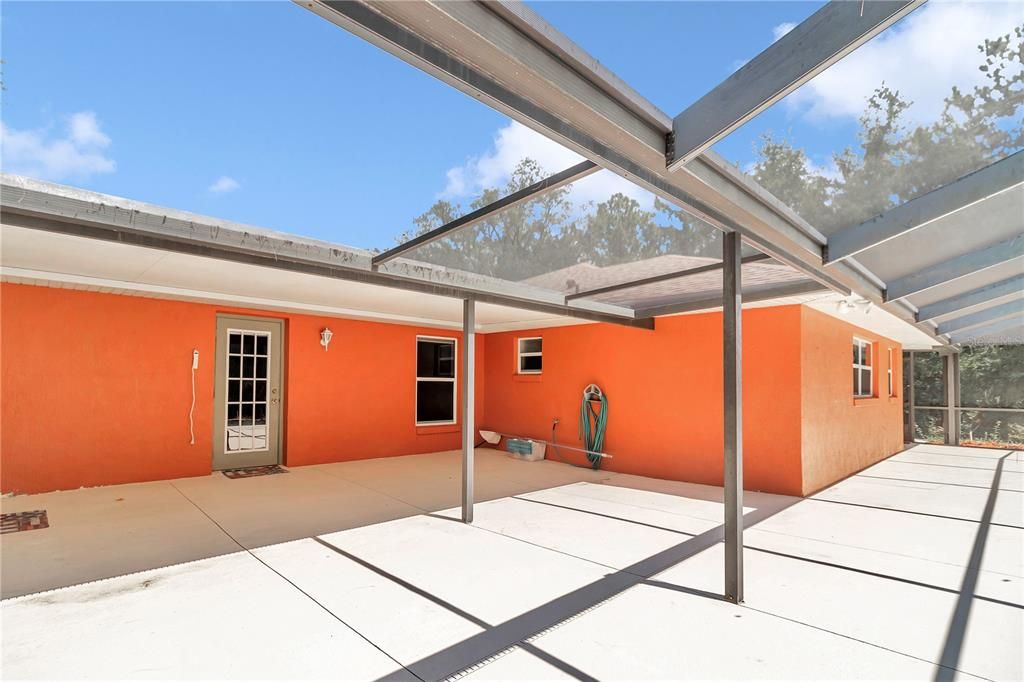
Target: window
pixel 892 363
pixel 862 379
pixel 246 427
pixel 530 357
pixel 435 380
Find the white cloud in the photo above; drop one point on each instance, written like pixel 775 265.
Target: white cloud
pixel 78 153
pixel 828 170
pixel 923 57
pixel 223 185
pixel 782 29
pixel 513 143
pixel 85 130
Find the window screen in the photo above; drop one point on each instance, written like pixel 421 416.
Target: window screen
pixel 435 401
pixel 530 355
pixel 435 381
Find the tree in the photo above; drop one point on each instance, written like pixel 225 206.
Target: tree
pixel 895 164
pixel 891 164
pixel 992 376
pixel 551 232
pixel 687 234
pixel 515 244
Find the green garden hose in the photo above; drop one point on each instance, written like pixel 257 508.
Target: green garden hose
pixel 593 422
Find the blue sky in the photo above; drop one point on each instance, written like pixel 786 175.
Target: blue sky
pixel 266 114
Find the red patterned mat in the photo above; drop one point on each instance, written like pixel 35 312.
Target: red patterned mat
pixel 249 472
pixel 19 521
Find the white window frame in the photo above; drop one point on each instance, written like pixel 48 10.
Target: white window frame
pixel 858 391
pixel 520 354
pixel 454 381
pixel 227 392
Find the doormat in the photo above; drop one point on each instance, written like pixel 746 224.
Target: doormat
pixel 19 521
pixel 249 472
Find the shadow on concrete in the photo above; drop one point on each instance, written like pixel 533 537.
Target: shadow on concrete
pixel 518 630
pixel 462 613
pixel 957 631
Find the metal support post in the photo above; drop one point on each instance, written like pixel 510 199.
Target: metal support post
pixel 732 355
pixel 468 393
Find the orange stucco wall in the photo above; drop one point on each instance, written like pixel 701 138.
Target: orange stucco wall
pixel 95 389
pixel 841 435
pixel 665 394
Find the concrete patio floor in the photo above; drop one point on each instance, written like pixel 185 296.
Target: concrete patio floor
pixel 911 569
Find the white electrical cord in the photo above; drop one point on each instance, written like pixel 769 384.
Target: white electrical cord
pixel 191 409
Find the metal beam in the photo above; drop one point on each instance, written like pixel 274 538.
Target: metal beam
pixel 569 175
pixel 940 204
pixel 954 304
pixel 539 31
pixel 986 316
pixel 750 295
pixel 53 208
pixel 505 56
pixel 968 335
pixel 819 41
pixel 955 268
pixel 471 46
pixel 654 279
pixel 732 360
pixel 468 397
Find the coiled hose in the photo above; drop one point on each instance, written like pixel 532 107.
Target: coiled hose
pixel 593 422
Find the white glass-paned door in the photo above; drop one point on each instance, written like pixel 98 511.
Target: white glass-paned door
pixel 246 427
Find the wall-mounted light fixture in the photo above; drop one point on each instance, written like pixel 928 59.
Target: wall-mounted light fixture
pixel 325 337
